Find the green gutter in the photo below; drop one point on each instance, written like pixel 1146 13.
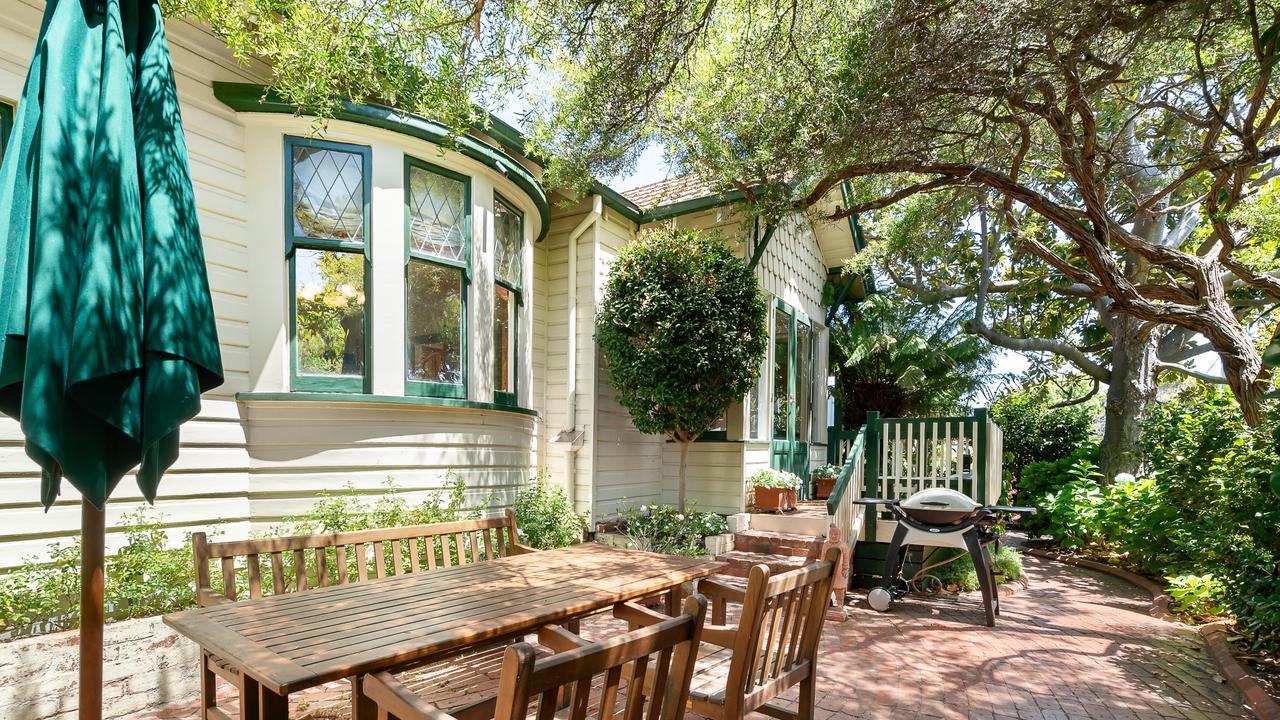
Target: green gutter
pixel 855 229
pixel 250 97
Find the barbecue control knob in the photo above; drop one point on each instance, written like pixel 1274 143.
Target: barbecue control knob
pixel 879 599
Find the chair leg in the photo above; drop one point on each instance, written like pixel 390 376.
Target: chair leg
pixel 808 696
pixel 208 687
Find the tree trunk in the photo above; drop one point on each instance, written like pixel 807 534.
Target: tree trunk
pixel 1130 394
pixel 684 463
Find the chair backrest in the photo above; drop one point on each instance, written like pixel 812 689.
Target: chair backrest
pixel 776 644
pixel 665 652
pixel 272 566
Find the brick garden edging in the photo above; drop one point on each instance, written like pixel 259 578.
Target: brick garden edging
pixel 1263 706
pixel 146 665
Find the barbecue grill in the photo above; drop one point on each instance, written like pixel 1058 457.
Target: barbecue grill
pixel 940 517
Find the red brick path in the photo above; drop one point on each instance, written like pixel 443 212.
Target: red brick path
pixel 1072 644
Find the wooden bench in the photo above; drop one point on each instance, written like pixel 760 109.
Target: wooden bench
pixel 275 566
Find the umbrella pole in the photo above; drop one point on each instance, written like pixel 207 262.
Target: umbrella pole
pixel 93 548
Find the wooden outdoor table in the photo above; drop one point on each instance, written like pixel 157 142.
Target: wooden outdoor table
pixel 286 643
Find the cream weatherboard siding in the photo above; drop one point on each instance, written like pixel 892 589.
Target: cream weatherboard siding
pixel 629 464
pixel 555 403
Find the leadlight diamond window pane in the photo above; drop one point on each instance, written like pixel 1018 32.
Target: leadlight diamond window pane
pixel 508 248
pixel 328 194
pixel 437 214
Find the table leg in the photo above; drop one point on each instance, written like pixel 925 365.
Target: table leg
pixel 362 708
pixel 674 597
pixel 250 702
pixel 273 706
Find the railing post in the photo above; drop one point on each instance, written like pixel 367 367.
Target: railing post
pixel 980 463
pixel 871 472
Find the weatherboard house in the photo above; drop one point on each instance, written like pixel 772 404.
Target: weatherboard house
pixel 394 305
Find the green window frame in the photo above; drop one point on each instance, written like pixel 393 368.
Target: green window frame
pixel 436 260
pixel 6 126
pixel 507 276
pixel 298 240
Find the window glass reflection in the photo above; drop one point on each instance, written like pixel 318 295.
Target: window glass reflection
pixel 329 300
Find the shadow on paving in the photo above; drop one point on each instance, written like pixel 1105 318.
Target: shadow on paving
pixel 1073 643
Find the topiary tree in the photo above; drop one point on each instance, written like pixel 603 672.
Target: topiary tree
pixel 682 327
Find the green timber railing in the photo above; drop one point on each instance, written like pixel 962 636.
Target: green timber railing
pixel 897 457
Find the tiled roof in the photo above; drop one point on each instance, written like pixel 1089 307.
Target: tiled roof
pixel 671 190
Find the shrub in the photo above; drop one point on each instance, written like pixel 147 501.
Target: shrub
pixel 545 517
pixel 665 529
pixel 771 478
pixel 147 577
pixel 683 326
pixel 351 511
pixel 1034 431
pixel 1198 594
pixel 1042 479
pixel 1205 517
pixel 961 573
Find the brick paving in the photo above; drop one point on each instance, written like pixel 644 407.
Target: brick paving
pixel 1071 644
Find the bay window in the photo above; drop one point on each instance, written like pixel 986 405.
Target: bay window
pixel 508 260
pixel 438 236
pixel 326 230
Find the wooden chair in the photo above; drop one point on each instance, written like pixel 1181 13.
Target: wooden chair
pixel 279 565
pixel 660 656
pixel 773 647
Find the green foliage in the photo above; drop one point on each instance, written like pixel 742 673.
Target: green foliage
pixel 1034 431
pixel 1204 511
pixel 351 511
pixel 905 359
pixel 150 577
pixel 667 529
pixel 960 573
pixel 433 57
pixel 776 479
pixel 147 577
pixel 1039 480
pixel 683 329
pixel 545 517
pixel 1198 594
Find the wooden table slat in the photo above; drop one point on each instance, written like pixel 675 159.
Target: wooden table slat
pixel 298 640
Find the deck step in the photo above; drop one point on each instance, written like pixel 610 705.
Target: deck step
pixel 740 563
pixel 778 543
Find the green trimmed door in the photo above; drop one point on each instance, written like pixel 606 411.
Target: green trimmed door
pixel 792 390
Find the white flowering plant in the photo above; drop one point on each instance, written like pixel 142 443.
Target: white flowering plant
pixel 774 479
pixel 665 529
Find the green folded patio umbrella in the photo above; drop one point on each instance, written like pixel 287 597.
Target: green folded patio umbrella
pixel 109 335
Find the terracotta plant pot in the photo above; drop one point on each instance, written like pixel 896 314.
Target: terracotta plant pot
pixel 823 487
pixel 775 499
pixel 793 499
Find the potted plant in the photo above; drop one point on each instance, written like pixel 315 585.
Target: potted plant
pixel 775 490
pixel 824 480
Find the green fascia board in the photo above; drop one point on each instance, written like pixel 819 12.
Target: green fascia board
pixel 380 400
pixel 251 97
pixel 685 207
